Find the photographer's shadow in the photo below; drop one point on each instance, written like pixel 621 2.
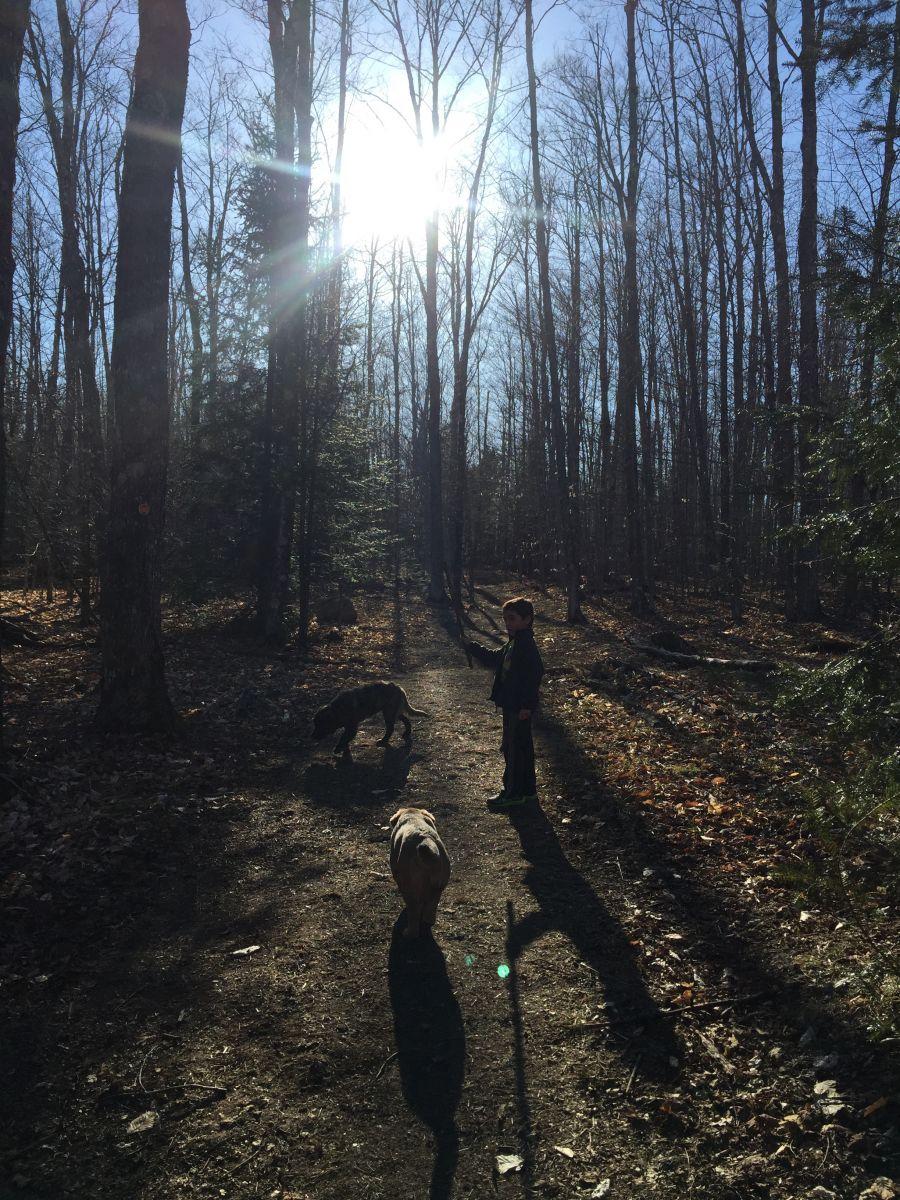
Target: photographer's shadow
pixel 431 1045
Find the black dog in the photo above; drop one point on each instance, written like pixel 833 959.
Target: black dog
pixel 349 708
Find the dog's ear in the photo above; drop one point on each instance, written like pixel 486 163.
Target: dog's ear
pixel 428 816
pixel 396 817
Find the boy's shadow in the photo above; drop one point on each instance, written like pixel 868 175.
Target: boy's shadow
pixel 431 1045
pixel 350 781
pixel 569 905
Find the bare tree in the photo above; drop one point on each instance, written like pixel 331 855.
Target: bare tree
pixel 471 308
pixel 133 690
pixel 429 35
pixel 289 30
pixel 13 22
pixel 566 489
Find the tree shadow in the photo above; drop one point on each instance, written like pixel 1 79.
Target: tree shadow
pixel 431 1046
pixel 723 928
pixel 567 904
pixel 560 622
pixel 488 616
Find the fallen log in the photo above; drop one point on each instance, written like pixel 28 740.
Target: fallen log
pixel 700 660
pixel 15 634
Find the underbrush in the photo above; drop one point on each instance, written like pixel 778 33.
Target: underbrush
pixel 853 812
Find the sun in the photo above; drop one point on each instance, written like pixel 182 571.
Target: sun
pixel 390 183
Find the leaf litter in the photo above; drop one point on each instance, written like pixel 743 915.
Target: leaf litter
pixel 130 871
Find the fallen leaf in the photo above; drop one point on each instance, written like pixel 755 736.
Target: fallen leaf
pixel 565 1150
pixel 601 1189
pixel 827 1062
pixel 147 1120
pixel 880 1189
pixel 509 1162
pixel 875 1106
pixel 246 950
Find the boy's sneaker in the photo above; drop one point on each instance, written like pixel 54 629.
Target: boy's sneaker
pixel 502 800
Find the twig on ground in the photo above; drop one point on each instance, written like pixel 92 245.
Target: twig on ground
pixel 674 1010
pixel 387 1062
pixel 244 1162
pixel 691 1005
pixel 188 1083
pixel 140 1074
pixel 637 1063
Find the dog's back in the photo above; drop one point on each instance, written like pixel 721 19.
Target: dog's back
pixel 420 865
pixel 352 706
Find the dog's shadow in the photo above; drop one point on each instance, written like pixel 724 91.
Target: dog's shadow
pixel 376 774
pixel 431 1045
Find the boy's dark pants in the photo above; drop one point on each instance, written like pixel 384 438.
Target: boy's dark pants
pixel 518 751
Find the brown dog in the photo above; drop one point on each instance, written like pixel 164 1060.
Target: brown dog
pixel 419 864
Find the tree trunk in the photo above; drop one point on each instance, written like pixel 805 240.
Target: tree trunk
pixel 396 332
pixel 285 301
pixel 630 367
pixel 13 20
pixel 783 435
pixel 82 432
pixel 305 414
pixel 193 307
pixel 436 592
pixel 468 322
pixel 806 603
pixel 133 689
pixel 697 406
pixel 571 564
pixel 574 417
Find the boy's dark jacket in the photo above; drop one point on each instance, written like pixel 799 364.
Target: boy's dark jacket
pixel 518 687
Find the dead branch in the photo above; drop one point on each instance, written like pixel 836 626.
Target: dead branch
pixel 700 660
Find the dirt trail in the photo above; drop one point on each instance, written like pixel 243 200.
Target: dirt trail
pixel 484 1066
pixel 570 1063
pixel 334 1061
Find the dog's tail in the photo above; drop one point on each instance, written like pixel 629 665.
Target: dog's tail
pixel 428 852
pixel 414 712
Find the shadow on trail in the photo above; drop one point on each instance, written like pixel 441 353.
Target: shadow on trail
pixel 776 1003
pixel 567 904
pixel 350 782
pixel 431 1046
pixel 525 1128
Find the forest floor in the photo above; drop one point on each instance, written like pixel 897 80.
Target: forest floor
pixel 205 993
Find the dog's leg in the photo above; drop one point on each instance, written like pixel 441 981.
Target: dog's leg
pixel 429 912
pixel 390 719
pixel 413 920
pixel 407 732
pixel 343 743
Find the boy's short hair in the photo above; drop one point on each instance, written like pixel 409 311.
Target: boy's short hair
pixel 524 608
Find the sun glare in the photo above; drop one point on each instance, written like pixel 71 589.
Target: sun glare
pixel 390 184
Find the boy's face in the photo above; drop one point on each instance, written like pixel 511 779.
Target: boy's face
pixel 514 621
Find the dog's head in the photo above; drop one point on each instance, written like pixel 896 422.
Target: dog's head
pixel 324 722
pixel 420 813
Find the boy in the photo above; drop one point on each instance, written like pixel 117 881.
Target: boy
pixel 517 678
